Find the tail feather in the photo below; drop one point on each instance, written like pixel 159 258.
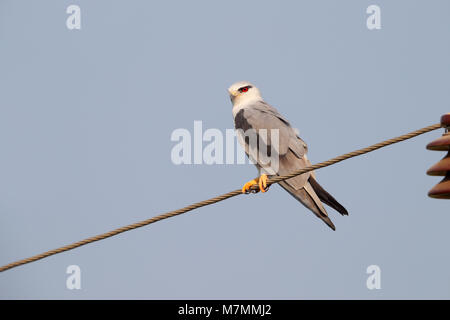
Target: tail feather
pixel 308 201
pixel 327 198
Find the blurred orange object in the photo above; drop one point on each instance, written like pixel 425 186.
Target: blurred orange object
pixel 442 168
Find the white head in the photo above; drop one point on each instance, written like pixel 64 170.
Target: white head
pixel 243 92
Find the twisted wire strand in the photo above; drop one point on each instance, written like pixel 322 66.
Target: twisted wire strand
pixel 218 198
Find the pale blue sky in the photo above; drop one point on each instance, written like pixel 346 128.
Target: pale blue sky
pixel 85 124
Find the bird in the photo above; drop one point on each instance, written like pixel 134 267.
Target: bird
pixel 252 114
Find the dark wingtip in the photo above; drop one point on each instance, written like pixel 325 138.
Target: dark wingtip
pixel 339 208
pixel 327 198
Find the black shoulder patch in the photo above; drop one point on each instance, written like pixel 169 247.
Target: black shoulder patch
pixel 240 122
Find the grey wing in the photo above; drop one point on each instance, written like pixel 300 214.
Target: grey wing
pixel 291 149
pixel 289 138
pixel 257 119
pixel 300 186
pixel 292 154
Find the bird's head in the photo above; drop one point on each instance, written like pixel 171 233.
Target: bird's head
pixel 242 92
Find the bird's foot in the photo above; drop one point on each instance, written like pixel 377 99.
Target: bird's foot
pixel 261 182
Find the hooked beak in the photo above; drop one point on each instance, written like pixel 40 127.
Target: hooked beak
pixel 234 93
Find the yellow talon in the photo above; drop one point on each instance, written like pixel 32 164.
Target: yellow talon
pixel 261 182
pixel 246 187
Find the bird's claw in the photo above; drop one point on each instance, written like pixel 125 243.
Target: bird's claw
pixel 246 188
pixel 261 182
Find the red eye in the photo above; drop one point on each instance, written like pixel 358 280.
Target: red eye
pixel 244 89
